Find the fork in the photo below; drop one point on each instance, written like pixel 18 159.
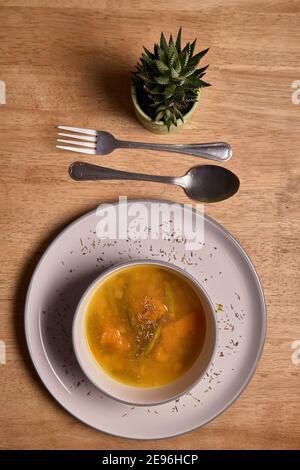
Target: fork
pixel 94 142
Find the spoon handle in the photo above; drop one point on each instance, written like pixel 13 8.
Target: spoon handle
pixel 217 151
pixel 81 171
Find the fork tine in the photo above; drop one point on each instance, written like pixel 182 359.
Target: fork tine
pixel 77 150
pixel 73 142
pixel 78 129
pixel 75 136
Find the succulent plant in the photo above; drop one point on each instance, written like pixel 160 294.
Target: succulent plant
pixel 168 80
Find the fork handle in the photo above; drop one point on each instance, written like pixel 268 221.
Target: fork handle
pixel 81 171
pixel 217 151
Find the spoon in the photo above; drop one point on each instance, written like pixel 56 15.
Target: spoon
pixel 205 183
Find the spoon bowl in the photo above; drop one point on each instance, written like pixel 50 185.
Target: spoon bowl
pixel 209 183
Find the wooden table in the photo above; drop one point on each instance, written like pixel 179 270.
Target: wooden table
pixel 71 64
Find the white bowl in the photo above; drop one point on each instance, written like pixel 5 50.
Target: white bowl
pixel 141 396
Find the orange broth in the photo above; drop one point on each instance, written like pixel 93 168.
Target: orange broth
pixel 145 325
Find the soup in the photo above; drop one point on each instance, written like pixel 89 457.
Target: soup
pixel 145 325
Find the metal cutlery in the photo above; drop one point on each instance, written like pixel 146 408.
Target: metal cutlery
pixel 93 142
pixel 205 183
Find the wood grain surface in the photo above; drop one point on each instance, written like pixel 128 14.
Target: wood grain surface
pixel 68 63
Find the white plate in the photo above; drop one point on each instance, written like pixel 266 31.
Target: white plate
pixel 75 259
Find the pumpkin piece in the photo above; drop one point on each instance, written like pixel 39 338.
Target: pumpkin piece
pixel 113 338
